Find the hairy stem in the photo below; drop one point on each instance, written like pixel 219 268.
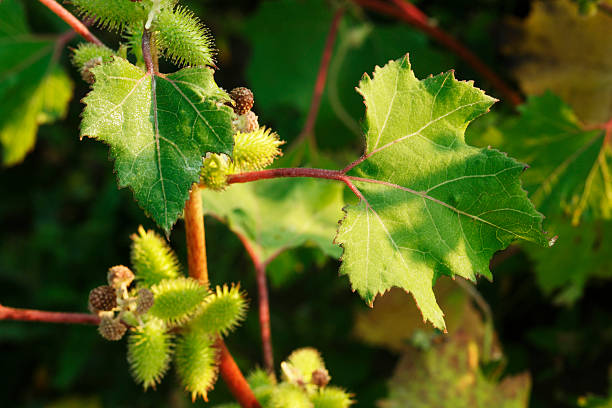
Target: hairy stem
pixel 317 93
pixel 71 20
pixel 285 172
pixel 409 13
pixel 31 315
pixel 264 305
pixel 196 238
pixel 146 52
pixel 196 255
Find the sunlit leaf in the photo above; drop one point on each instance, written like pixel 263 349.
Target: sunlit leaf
pixel 431 204
pixel 158 128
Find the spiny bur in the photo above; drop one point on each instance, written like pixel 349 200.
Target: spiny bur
pixel 301 364
pixel 152 258
pixel 111 328
pixel 112 14
pixel 183 39
pixel 102 298
pixel 88 55
pixel 149 352
pixel 215 168
pixel 255 150
pixel 331 397
pixel 177 299
pixel 221 311
pixel 196 363
pixel 289 395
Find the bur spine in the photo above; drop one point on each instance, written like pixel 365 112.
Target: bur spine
pixel 152 258
pixel 196 363
pixel 177 299
pixel 149 352
pixel 182 39
pixel 221 311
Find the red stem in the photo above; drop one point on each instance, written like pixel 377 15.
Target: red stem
pixel 10 313
pixel 317 93
pixel 196 240
pixel 264 304
pixel 232 376
pixel 409 13
pixel 230 372
pixel 286 172
pixel 72 21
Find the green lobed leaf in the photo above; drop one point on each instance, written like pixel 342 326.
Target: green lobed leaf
pixel 149 351
pixel 580 254
pixel 33 89
pixel 158 128
pixel 196 363
pixel 152 258
pixel 283 102
pixel 569 166
pixel 176 299
pixel 431 204
pixel 270 214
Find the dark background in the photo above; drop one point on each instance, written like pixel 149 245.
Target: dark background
pixel 64 222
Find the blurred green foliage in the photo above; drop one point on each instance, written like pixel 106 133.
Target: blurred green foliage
pixel 64 222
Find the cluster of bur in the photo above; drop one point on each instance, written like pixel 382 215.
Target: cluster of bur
pixel 166 315
pixel 304 384
pixel 254 147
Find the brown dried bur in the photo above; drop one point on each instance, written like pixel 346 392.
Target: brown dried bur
pixel 102 298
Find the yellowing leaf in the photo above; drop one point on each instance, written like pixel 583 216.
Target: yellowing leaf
pixel 448 375
pixel 569 54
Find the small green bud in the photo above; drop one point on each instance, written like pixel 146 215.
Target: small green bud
pixel 215 169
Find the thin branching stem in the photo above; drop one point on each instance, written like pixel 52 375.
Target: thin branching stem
pixel 31 315
pixel 196 238
pixel 228 368
pixel 317 93
pixel 72 21
pixel 264 304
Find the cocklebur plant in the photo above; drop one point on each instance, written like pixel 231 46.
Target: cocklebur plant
pixel 427 203
pixel 169 316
